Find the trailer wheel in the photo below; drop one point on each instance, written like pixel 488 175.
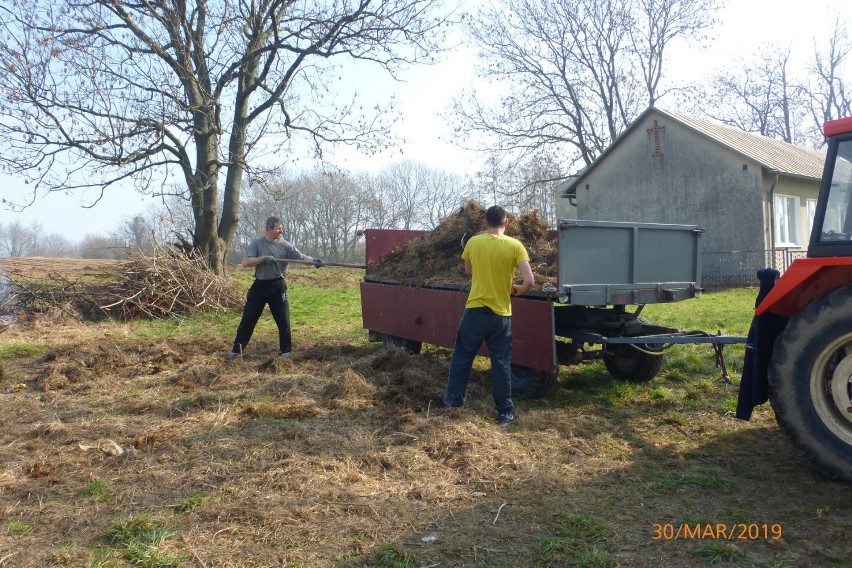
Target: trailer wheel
pixel 630 364
pixel 409 345
pixel 532 383
pixel 810 382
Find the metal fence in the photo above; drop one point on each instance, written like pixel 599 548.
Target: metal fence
pixel 739 268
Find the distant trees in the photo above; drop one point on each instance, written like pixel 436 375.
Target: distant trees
pixel 17 240
pixel 416 196
pixel 95 93
pixel 322 210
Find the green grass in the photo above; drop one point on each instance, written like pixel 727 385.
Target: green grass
pixel 330 310
pixel 579 540
pixel 666 480
pixel 14 350
pixel 729 311
pixel 689 379
pixel 17 528
pixel 390 557
pixel 189 504
pixel 717 552
pixel 96 490
pixel 137 540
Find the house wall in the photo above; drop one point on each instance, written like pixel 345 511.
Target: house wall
pixel 674 175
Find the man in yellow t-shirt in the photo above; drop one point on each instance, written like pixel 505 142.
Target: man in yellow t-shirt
pixel 490 258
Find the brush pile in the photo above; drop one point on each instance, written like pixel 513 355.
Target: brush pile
pixel 149 284
pixel 436 257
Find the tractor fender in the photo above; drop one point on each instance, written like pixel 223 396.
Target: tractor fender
pixel 804 280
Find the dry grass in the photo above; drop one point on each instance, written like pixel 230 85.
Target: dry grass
pixel 339 457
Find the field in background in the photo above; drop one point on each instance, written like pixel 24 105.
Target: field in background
pixel 140 444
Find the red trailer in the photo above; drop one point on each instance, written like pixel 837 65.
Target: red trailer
pixel 584 318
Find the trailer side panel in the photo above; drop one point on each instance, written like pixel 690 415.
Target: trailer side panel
pixel 432 316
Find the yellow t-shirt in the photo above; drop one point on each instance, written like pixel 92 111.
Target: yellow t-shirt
pixel 493 259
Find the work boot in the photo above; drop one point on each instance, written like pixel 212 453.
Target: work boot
pixel 505 417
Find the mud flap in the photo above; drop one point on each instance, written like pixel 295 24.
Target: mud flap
pixel 754 386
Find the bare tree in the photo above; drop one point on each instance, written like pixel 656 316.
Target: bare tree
pixel 572 73
pixel 828 94
pixel 764 98
pixel 537 186
pixel 55 245
pixel 18 240
pixel 529 185
pixel 445 193
pixel 101 246
pixel 335 207
pixel 102 92
pixel 135 233
pixel 658 23
pixel 769 97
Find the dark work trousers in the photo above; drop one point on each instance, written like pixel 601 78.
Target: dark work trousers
pixel 478 325
pixel 261 293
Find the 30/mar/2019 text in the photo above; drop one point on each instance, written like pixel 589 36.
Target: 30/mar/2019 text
pixel 717 531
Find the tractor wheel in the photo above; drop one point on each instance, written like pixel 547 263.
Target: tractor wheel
pixel 409 345
pixel 630 364
pixel 810 382
pixel 532 383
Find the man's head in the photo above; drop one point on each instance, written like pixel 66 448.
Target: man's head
pixel 273 229
pixel 495 216
pixel 272 221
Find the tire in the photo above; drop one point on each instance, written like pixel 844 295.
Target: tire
pixel 810 382
pixel 630 364
pixel 532 383
pixel 409 345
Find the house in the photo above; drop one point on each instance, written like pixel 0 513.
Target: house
pixel 754 196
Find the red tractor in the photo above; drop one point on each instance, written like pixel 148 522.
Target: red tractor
pixel 802 349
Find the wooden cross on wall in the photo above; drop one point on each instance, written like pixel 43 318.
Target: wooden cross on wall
pixel 656 130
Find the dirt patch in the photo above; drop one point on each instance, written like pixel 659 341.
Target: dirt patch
pixel 436 257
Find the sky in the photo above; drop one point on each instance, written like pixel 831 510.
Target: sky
pixel 427 93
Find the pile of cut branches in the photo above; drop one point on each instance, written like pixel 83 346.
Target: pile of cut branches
pixel 150 284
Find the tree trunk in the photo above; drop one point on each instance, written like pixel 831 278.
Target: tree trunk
pixel 233 186
pixel 205 192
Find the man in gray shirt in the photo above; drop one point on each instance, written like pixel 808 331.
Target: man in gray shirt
pixel 269 288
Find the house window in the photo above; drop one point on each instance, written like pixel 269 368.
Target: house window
pixel 786 220
pixel 810 205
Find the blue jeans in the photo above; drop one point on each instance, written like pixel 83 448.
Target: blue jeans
pixel 478 325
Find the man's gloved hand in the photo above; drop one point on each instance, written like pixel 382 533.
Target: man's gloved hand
pixel 318 262
pixel 268 259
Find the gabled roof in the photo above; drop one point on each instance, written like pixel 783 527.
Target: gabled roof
pixel 770 153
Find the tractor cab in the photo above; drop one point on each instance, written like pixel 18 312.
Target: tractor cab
pixel 832 227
